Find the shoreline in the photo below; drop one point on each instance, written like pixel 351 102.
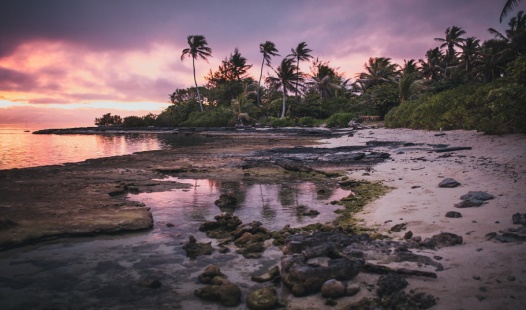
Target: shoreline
pixel 481 273
pixel 494 164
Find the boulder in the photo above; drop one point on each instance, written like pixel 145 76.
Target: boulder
pixel 448 183
pixel 519 219
pixel 442 240
pixel 477 195
pixel 210 272
pixel 263 299
pixel 333 289
pixel 273 274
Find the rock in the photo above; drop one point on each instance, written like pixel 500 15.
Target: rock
pixel 303 279
pixel 210 272
pixel 194 249
pixel 352 289
pixel 408 235
pixel 469 203
pixel 477 195
pixel 169 225
pixel 332 289
pixel 227 200
pixel 273 274
pixel 442 240
pixel 389 284
pixel 149 283
pixel 117 193
pixel 302 210
pixel 448 183
pixel 453 214
pixel 220 289
pixel 223 225
pixel 7 223
pixel 517 219
pixel 398 227
pixel 229 294
pixel 263 299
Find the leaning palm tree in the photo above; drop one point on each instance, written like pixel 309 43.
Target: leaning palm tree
pixel 378 70
pixel 508 7
pixel 432 65
pixel 267 49
pixel 301 53
pixel 285 79
pixel 197 49
pixel 453 38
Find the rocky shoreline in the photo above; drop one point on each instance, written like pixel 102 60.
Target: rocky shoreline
pixel 346 263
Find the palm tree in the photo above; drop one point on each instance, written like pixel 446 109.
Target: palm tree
pixel 285 79
pixel 325 79
pixel 508 6
pixel 301 53
pixel 409 73
pixel 197 49
pixel 515 36
pixel 431 67
pixel 267 49
pixel 453 38
pixel 378 70
pixel 470 50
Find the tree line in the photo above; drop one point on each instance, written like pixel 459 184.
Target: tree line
pixel 289 96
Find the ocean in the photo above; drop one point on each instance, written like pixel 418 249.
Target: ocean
pixel 20 148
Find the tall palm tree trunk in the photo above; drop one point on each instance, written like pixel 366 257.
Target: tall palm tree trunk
pixel 259 83
pixel 197 88
pixel 284 107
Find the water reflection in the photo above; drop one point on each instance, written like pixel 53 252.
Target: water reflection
pixel 273 204
pixel 19 149
pixel 103 272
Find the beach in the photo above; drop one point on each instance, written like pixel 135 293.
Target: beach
pixel 486 271
pixel 480 273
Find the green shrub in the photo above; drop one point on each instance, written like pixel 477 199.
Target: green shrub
pixel 340 120
pixel 133 121
pixel 211 118
pixel 280 122
pixel 307 121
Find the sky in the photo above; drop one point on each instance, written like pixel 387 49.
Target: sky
pixel 69 61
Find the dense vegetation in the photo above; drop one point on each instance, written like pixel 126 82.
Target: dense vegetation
pixel 461 84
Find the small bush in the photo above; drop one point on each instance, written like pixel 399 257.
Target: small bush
pixel 340 120
pixel 307 121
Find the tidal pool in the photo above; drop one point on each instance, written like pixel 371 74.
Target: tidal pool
pixel 106 271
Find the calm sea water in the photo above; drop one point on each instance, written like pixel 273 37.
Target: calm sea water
pixel 19 148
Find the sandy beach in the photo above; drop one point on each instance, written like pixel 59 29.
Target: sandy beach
pixel 480 273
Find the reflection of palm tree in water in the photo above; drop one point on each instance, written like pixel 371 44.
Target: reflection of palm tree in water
pixel 266 211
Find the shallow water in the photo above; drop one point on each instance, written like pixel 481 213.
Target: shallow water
pixel 20 149
pixel 103 272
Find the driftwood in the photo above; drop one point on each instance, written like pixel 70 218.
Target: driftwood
pixel 450 149
pixel 372 268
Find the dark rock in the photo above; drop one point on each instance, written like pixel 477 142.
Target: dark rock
pixel 469 203
pixel 149 283
pixel 408 235
pixel 223 225
pixel 210 272
pixel 517 218
pixel 194 249
pixel 390 283
pixel 398 227
pixel 305 211
pixel 477 195
pixel 442 240
pixel 220 289
pixel 169 225
pixel 332 289
pixel 303 278
pixel 263 299
pixel 117 193
pixel 7 223
pixel 352 289
pixel 448 183
pixel 453 214
pixel 273 274
pixel 293 165
pixel 227 200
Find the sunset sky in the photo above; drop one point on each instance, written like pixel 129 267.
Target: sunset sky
pixel 69 61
